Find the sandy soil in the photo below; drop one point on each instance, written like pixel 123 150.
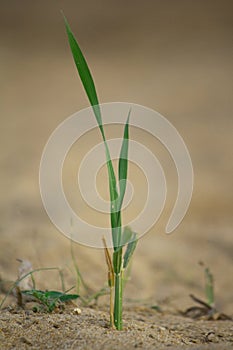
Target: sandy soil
pixel 144 329
pixel 175 57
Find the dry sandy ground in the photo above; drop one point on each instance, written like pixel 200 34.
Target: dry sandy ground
pixel 144 329
pixel 172 56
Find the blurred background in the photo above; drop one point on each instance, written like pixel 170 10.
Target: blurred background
pixel 172 56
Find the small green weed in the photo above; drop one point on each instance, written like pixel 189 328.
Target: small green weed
pixel 50 300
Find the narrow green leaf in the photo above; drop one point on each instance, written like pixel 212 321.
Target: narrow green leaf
pixel 52 294
pixel 66 297
pixel 209 287
pixel 60 296
pixel 35 293
pixel 123 165
pixel 123 161
pixel 85 74
pixel 89 86
pixel 126 236
pixel 130 250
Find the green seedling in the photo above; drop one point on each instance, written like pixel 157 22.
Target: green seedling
pixel 206 309
pixel 49 299
pixel 209 287
pixel 121 238
pixel 15 285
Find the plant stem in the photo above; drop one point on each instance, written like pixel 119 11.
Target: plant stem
pixel 118 302
pixel 112 306
pixel 209 287
pixel 110 280
pixel 117 256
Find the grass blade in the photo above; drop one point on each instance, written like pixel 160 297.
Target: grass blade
pixel 123 164
pixel 89 86
pixel 209 287
pixel 130 250
pixel 126 236
pixel 122 177
pixel 122 170
pixel 84 73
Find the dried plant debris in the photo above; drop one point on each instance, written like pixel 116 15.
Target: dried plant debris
pixel 25 268
pixel 27 282
pixel 204 312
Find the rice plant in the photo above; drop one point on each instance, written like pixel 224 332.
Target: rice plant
pixel 121 237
